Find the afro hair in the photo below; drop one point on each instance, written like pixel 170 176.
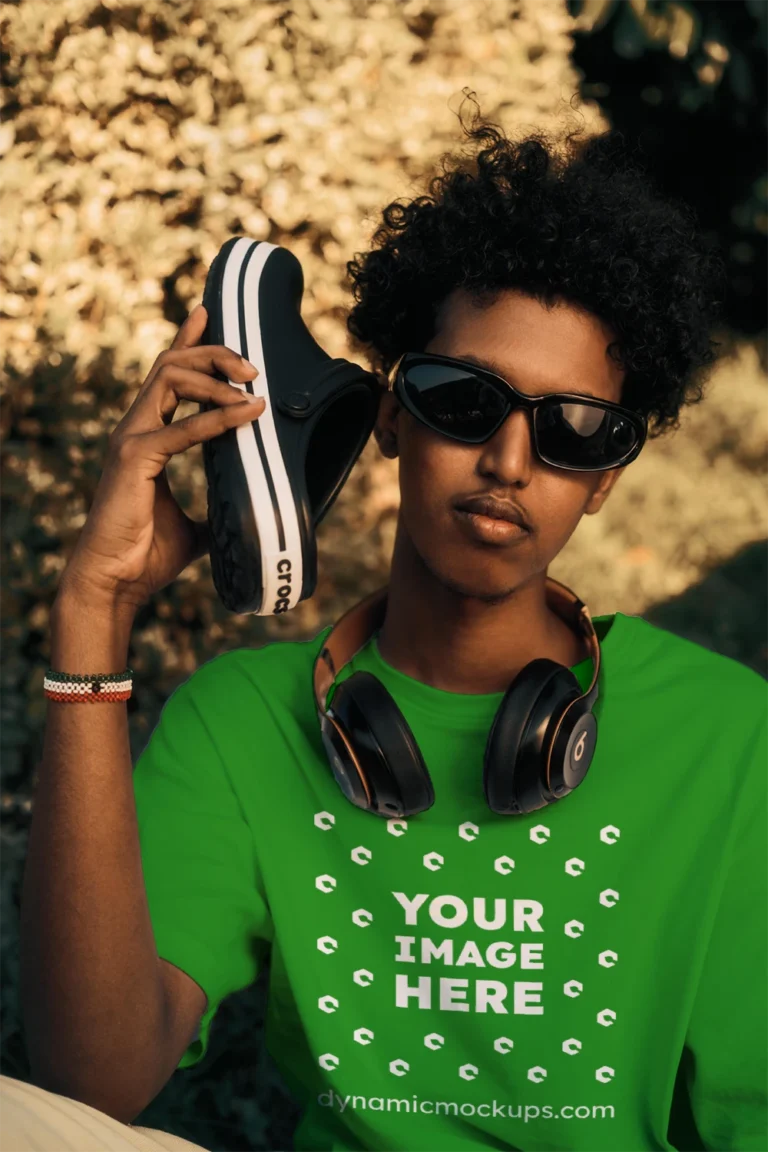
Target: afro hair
pixel 583 224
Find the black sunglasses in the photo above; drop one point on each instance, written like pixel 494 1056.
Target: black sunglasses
pixel 470 404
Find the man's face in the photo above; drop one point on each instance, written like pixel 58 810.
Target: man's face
pixel 539 351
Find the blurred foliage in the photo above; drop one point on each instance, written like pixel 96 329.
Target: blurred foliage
pixel 687 81
pixel 136 137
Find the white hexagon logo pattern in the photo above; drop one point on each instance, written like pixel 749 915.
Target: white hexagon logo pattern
pixel 609 834
pixel 468 1071
pixel 503 1045
pixel 328 1004
pixel 433 861
pixel 539 834
pixel 537 1074
pixel 571 1047
pixel 504 865
pixel 327 944
pixel 363 977
pixel 606 1017
pixel 363 1035
pixel 325 883
pixel 607 959
pixel 468 830
pixel 434 1041
pixel 397 827
pixel 361 917
pixel 324 820
pixel 574 928
pixel 361 855
pixel 605 1074
pixel 609 897
pixel 574 866
pixel 328 1061
pixel 399 1067
pixel 573 988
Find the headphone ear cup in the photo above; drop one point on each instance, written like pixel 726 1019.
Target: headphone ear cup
pixel 387 749
pixel 516 750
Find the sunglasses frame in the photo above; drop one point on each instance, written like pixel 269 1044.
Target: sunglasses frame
pixel 395 379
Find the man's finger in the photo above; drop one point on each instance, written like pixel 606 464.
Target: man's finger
pixel 187 336
pixel 192 329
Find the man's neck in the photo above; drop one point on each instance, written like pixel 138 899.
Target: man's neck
pixel 459 644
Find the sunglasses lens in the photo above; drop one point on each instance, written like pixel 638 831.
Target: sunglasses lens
pixel 454 401
pixel 584 435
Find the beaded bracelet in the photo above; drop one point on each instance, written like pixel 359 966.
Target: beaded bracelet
pixel 72 688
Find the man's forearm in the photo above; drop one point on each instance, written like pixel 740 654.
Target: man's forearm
pixel 92 993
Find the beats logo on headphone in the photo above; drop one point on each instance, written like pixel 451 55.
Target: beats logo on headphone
pixel 539 748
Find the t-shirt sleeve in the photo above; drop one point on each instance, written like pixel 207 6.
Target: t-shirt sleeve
pixel 209 911
pixel 728 1030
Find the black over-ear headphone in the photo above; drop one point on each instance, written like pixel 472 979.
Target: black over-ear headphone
pixel 539 748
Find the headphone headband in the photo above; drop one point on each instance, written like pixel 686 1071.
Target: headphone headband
pixel 356 627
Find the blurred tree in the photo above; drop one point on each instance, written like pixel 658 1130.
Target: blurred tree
pixel 687 81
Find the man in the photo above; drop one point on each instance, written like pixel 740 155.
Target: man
pixel 589 974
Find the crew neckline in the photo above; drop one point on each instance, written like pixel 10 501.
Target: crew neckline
pixel 458 707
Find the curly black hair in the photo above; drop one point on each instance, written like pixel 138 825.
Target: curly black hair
pixel 584 224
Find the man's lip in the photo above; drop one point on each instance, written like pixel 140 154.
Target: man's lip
pixel 496 509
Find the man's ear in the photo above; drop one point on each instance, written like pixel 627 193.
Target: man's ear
pixel 600 495
pixel 385 428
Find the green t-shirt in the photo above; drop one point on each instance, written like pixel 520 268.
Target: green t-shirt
pixel 589 976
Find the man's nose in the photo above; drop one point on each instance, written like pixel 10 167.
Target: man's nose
pixel 509 453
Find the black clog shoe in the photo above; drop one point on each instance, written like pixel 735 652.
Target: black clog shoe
pixel 270 482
